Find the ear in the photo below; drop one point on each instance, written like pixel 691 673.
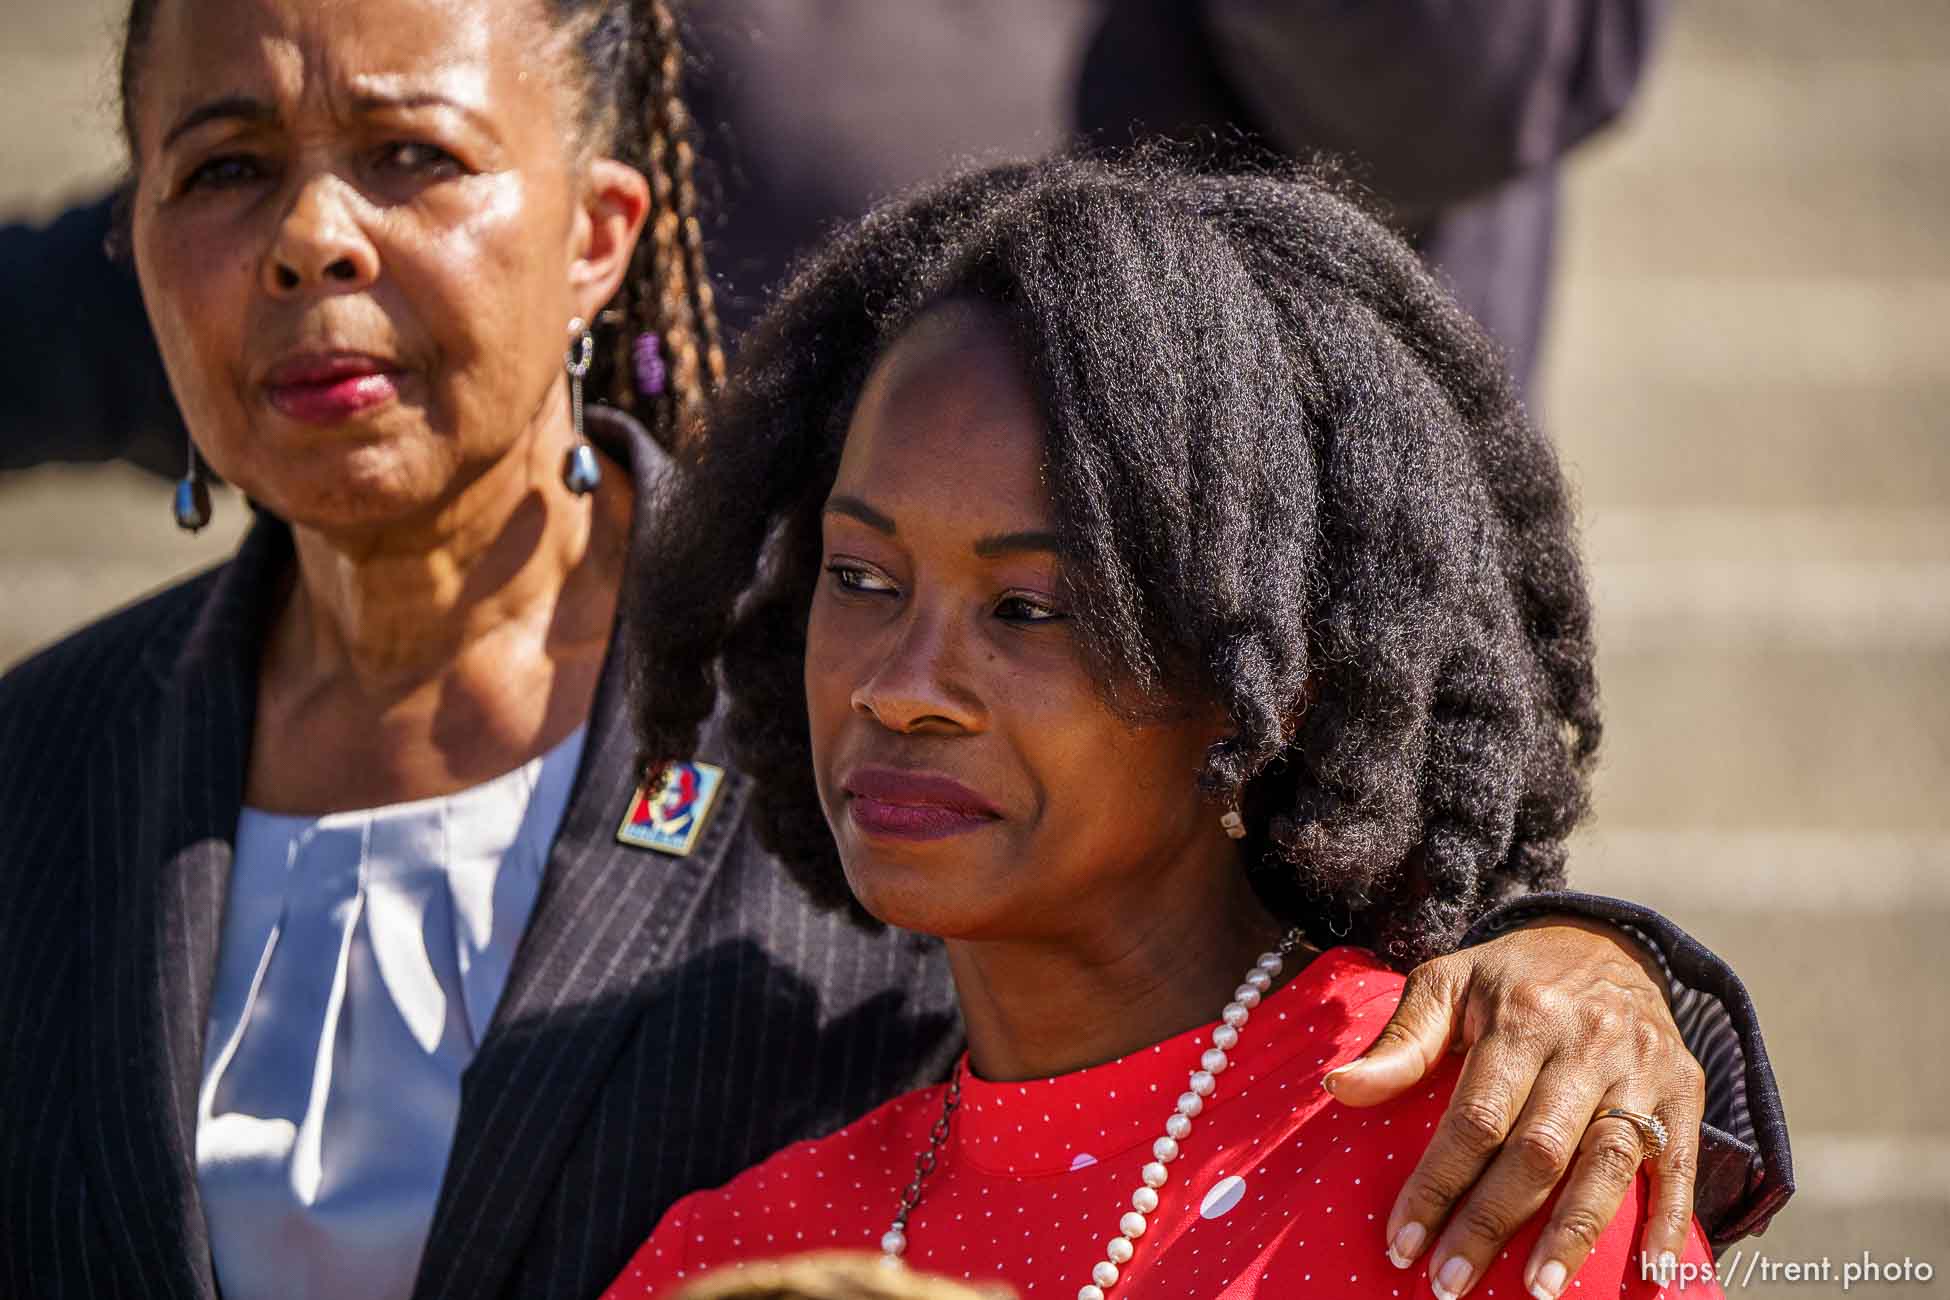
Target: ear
pixel 615 203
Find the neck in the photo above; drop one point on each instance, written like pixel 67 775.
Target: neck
pixel 390 609
pixel 1134 977
pixel 421 659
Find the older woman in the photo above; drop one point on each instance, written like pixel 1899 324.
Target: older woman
pixel 1177 590
pixel 341 954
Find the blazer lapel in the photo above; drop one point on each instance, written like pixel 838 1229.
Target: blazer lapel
pixel 607 920
pixel 162 805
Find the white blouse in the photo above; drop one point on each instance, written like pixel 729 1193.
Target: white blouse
pixel 362 957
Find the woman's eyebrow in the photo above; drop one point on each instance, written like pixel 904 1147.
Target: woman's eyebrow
pixel 1011 543
pixel 854 508
pixel 379 93
pixel 373 100
pixel 238 107
pixel 257 112
pixel 988 548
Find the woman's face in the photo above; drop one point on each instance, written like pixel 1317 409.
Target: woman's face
pixel 976 783
pixel 361 230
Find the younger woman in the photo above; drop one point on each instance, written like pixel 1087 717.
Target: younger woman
pixel 1153 589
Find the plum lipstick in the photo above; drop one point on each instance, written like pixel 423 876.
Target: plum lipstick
pixel 911 806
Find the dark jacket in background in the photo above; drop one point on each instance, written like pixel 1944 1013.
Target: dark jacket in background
pixel 1454 114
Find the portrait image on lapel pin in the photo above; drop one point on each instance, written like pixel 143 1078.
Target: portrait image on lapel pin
pixel 670 819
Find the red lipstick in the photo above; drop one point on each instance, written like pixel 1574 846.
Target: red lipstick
pixel 330 387
pixel 914 805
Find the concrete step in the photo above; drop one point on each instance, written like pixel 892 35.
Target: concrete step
pixel 66 147
pixel 71 27
pixel 1716 605
pixel 58 81
pixel 110 512
pixel 1717 578
pixel 76 542
pixel 1699 111
pixel 1806 443
pixel 1746 334
pixel 1807 873
pixel 1748 535
pixel 1749 31
pixel 1849 740
pixel 1723 221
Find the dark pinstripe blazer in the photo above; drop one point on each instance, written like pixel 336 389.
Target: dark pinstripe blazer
pixel 667 1023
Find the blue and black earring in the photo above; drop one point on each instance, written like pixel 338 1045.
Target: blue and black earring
pixel 192 504
pixel 582 473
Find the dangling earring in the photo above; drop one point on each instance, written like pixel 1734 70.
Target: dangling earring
pixel 1234 824
pixel 192 503
pixel 581 471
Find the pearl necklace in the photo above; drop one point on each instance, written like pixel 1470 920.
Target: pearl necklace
pixel 1144 1201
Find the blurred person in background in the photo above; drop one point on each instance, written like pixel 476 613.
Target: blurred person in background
pixel 1455 116
pixel 1116 574
pixel 341 954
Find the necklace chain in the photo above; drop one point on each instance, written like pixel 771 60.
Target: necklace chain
pixel 1144 1202
pixel 924 1163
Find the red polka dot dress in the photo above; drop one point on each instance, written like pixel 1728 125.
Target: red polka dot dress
pixel 1278 1191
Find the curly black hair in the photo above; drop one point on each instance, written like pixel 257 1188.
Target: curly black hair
pixel 1291 476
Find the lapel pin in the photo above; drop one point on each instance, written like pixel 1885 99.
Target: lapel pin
pixel 670 819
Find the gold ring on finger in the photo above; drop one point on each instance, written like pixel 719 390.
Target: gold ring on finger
pixel 1652 1130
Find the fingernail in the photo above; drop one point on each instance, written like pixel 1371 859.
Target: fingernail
pixel 1549 1281
pixel 1333 1076
pixel 1407 1244
pixel 1453 1278
pixel 1668 1267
